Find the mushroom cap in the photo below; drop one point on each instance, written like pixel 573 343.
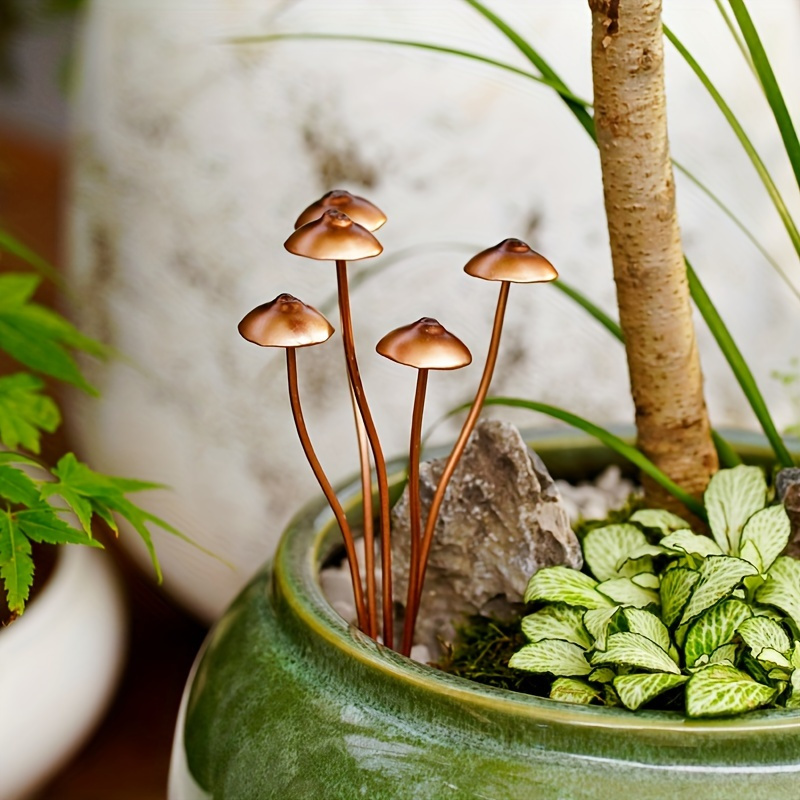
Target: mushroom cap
pixel 357 208
pixel 285 322
pixel 333 237
pixel 425 344
pixel 511 260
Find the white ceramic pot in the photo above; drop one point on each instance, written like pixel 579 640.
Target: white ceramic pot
pixel 60 664
pixel 192 158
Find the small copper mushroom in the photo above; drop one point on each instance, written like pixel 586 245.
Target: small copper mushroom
pixel 357 208
pixel 289 323
pixel 425 345
pixel 511 261
pixel 335 237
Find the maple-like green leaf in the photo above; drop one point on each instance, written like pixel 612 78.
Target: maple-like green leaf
pixel 714 628
pixel 17 487
pixel 565 585
pixel 25 413
pixel 732 497
pixel 635 650
pixel 719 576
pixel 572 690
pixel 720 690
pixel 636 690
pixel 557 622
pixel 675 590
pixel 16 564
pixel 767 531
pixel 606 548
pixel 42 524
pixel 782 588
pixel 551 655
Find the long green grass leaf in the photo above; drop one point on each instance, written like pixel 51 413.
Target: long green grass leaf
pixel 736 37
pixel 13 246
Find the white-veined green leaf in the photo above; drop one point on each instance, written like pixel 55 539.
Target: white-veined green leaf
pixel 761 633
pixel 769 532
pixel 635 650
pixel 749 552
pixel 796 656
pixel 649 625
pixel 606 548
pixel 719 576
pixel 715 627
pixel 771 659
pixel 571 690
pixel 602 675
pixel 659 520
pixel 782 588
pixel 565 585
pixel 684 541
pixel 597 622
pixel 641 561
pixel 725 654
pixel 551 655
pixel 720 691
pixel 625 592
pixel 636 690
pixel 647 580
pixel 676 588
pixel 557 622
pixel 732 497
pixel 793 702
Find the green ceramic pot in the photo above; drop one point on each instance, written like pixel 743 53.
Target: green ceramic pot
pixel 287 701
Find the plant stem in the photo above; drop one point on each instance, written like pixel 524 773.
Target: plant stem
pixel 377 452
pixel 330 494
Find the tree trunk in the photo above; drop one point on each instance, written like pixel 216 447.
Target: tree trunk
pixel 652 290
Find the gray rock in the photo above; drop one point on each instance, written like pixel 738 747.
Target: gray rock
pixel 501 520
pixel 787 485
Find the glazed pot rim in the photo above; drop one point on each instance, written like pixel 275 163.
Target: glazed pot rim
pixel 307 541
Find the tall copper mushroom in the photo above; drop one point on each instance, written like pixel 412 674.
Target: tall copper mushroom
pixel 425 345
pixel 335 237
pixel 289 323
pixel 359 210
pixel 511 261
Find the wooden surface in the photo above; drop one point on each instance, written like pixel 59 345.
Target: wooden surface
pixel 128 757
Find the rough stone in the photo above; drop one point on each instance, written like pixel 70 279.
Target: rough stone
pixel 501 520
pixel 787 485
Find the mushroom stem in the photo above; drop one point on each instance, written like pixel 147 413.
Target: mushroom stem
pixel 377 452
pixel 414 506
pixel 368 519
pixel 330 495
pixel 458 450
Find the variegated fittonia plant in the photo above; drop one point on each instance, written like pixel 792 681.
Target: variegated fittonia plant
pixel 671 614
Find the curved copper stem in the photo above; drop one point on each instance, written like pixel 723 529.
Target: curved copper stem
pixel 368 519
pixel 414 507
pixel 458 450
pixel 377 452
pixel 330 495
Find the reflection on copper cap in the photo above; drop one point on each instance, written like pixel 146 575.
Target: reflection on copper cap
pixel 357 208
pixel 285 322
pixel 333 237
pixel 511 260
pixel 425 344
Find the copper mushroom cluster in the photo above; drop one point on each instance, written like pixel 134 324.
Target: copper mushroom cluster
pixel 339 227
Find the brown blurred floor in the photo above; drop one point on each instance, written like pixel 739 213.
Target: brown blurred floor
pixel 128 757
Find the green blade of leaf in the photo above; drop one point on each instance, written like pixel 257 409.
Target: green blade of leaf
pixel 552 656
pixel 557 622
pixel 16 564
pixel 648 625
pixel 13 246
pixel 627 593
pixel 16 289
pixel 769 531
pixel 571 690
pixel 736 37
pixel 782 588
pixel 44 525
pixel 762 633
pixel 611 325
pixel 732 497
pixel 637 690
pixel 675 590
pixel 727 456
pixel 719 576
pixel 714 628
pixel 635 650
pixel 604 549
pixel 721 691
pixel 565 585
pixel 25 413
pixel 17 487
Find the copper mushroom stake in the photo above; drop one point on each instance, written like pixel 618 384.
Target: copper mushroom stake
pixel 335 237
pixel 289 323
pixel 425 345
pixel 511 261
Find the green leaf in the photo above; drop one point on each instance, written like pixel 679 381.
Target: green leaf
pixel 768 531
pixel 10 244
pixel 565 585
pixel 606 548
pixel 602 675
pixel 635 650
pixel 43 524
pixel 624 591
pixel 16 289
pixel 676 587
pixel 17 487
pixel 782 588
pixel 684 541
pixel 599 624
pixel 25 412
pixel 719 576
pixel 571 690
pixel 557 622
pixel 659 520
pixel 732 497
pixel 793 703
pixel 551 655
pixel 714 628
pixel 721 691
pixel 724 654
pixel 649 625
pixel 647 580
pixel 16 564
pixel 636 690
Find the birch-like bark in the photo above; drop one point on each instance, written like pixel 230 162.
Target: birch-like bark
pixel 650 274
